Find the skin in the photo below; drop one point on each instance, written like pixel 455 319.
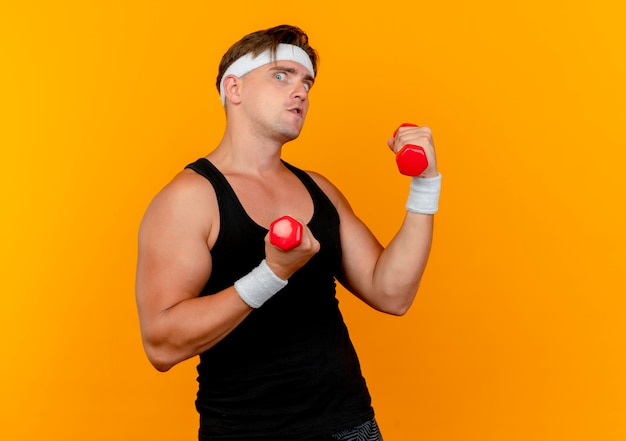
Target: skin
pixel 266 108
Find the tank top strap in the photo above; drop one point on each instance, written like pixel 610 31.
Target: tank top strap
pixel 319 197
pixel 205 168
pixel 323 207
pixel 234 220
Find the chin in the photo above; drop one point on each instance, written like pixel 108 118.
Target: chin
pixel 290 135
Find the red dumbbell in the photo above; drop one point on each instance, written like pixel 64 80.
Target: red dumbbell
pixel 411 159
pixel 285 233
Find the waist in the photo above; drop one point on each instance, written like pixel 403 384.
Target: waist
pixel 297 375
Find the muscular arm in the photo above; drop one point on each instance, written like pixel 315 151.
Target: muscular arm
pixel 386 278
pixel 174 264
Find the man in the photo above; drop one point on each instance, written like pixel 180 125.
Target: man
pixel 276 361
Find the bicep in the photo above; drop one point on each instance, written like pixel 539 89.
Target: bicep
pixel 174 260
pixel 360 253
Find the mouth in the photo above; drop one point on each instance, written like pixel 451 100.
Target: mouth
pixel 296 110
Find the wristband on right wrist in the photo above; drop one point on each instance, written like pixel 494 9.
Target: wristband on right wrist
pixel 424 195
pixel 259 285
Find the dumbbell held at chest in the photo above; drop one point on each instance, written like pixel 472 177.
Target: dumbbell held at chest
pixel 411 159
pixel 285 233
pixel 260 284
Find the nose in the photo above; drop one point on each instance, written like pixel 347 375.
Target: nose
pixel 300 91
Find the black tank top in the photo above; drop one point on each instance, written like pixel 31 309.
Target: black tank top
pixel 289 370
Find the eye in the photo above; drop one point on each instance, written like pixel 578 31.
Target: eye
pixel 307 86
pixel 280 76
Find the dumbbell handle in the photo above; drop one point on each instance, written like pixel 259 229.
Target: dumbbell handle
pixel 285 233
pixel 411 159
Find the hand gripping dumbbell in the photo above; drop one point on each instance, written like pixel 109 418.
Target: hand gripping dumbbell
pixel 285 233
pixel 411 159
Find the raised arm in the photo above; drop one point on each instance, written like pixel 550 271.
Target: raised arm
pixel 387 278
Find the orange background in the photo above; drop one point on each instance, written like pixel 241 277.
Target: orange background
pixel 518 332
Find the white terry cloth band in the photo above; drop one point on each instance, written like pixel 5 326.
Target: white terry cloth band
pixel 247 63
pixel 259 285
pixel 424 195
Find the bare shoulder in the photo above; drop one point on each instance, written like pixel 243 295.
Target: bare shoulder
pixel 187 184
pixel 188 202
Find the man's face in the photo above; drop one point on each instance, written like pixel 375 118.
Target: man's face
pixel 276 97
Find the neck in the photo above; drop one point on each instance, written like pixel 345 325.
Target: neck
pixel 243 151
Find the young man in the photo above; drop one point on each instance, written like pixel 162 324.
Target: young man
pixel 276 361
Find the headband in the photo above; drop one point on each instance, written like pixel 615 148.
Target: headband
pixel 247 63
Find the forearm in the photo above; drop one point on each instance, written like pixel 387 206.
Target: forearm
pixel 191 327
pixel 400 266
pixel 388 278
pixel 195 324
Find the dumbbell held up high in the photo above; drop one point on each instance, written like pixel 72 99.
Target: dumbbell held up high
pixel 411 159
pixel 285 233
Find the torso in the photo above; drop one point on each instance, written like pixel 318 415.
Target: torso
pixel 297 343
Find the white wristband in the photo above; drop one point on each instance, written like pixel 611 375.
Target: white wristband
pixel 424 195
pixel 259 285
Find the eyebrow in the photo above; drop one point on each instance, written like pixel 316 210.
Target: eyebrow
pixel 292 70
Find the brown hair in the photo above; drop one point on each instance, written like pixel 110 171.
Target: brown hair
pixel 260 41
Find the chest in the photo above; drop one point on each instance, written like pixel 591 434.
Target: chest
pixel 266 200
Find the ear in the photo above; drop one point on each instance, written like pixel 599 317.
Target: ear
pixel 231 89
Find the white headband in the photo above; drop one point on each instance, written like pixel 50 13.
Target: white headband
pixel 247 63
